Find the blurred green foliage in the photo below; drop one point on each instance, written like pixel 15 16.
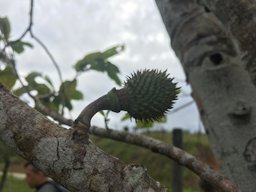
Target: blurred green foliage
pixel 16 185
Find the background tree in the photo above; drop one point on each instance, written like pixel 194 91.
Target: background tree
pixel 213 41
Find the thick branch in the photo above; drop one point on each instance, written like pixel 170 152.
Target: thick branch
pixel 77 164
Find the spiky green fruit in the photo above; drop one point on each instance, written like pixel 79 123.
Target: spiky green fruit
pixel 149 95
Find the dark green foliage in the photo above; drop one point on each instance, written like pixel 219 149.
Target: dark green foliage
pixel 151 94
pixel 8 77
pixel 40 86
pixel 56 100
pixel 67 93
pixel 5 28
pixel 33 85
pixel 144 124
pixel 149 124
pixel 62 99
pixel 19 46
pixel 99 61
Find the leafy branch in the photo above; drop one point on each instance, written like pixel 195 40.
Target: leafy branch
pixel 45 92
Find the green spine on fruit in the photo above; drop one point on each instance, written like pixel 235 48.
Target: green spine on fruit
pixel 151 94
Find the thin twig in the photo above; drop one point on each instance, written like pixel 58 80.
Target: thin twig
pixel 40 42
pixel 29 27
pixel 33 36
pixel 31 12
pixel 181 107
pixel 18 77
pixel 29 30
pixel 49 54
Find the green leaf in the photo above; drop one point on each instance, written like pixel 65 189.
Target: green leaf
pixel 112 51
pixel 84 64
pixel 162 120
pixel 42 89
pixel 5 27
pixel 126 117
pixel 142 124
pixel 68 92
pixel 57 102
pixel 112 72
pixel 145 124
pixel 68 105
pixel 4 58
pixel 8 77
pixel 99 65
pixel 31 78
pixel 48 80
pixel 102 113
pixel 27 44
pixel 18 46
pixel 77 95
pixel 20 91
pixel 49 104
pixel 98 61
pixel 67 89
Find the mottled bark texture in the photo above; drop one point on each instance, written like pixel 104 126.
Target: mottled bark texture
pixel 221 84
pixel 68 158
pixel 239 16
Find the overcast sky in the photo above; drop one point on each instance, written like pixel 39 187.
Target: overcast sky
pixel 72 29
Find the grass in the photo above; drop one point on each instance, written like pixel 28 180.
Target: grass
pixel 16 185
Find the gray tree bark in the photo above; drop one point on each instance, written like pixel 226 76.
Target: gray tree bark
pixel 68 157
pixel 218 57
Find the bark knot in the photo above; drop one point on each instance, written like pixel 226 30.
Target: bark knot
pixel 240 113
pixel 133 174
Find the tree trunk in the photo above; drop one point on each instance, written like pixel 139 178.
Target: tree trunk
pixel 222 87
